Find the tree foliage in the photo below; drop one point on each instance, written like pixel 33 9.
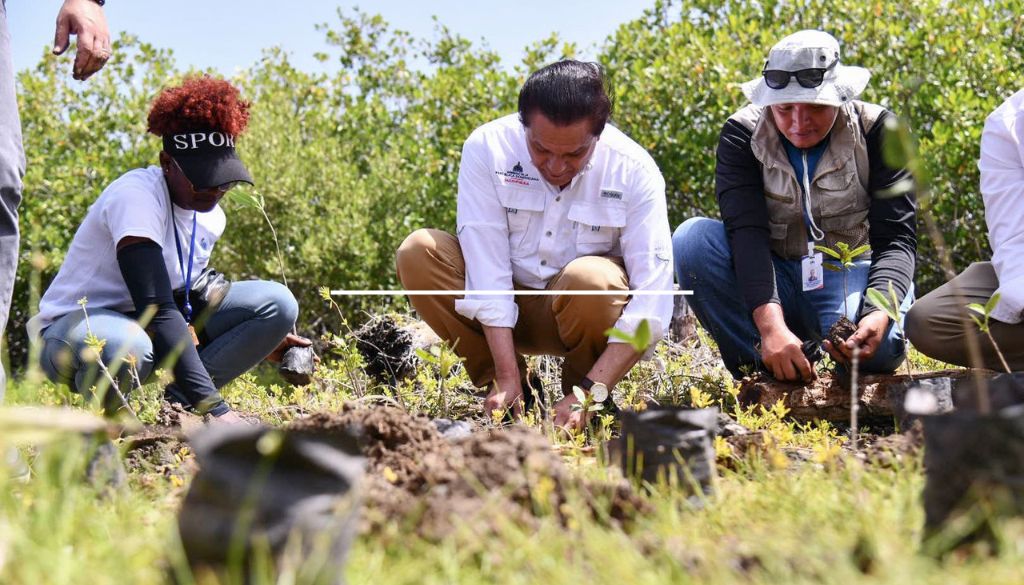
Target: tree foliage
pixel 351 161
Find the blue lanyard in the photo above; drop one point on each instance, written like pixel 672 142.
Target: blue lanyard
pixel 181 262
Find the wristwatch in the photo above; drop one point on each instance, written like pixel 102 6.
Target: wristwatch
pixel 598 391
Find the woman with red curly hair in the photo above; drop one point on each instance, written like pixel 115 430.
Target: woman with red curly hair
pixel 146 242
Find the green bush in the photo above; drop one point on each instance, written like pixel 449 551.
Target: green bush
pixel 352 161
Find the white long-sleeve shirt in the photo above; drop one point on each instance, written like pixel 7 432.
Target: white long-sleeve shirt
pixel 1002 188
pixel 514 227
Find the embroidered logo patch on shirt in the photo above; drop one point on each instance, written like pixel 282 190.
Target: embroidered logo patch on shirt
pixel 611 194
pixel 517 176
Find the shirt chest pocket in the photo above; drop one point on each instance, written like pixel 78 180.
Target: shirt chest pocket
pixel 523 209
pixel 597 227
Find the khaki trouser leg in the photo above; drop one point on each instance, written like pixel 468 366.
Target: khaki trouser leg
pixel 581 321
pixel 569 326
pixel 432 260
pixel 935 322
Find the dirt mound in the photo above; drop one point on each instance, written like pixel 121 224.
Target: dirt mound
pixel 419 481
pixel 161 449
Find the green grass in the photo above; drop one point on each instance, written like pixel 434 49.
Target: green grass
pixel 771 521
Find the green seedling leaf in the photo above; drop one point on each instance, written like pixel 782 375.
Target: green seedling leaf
pixel 642 337
pixel 595 407
pixel 895 302
pixel 877 299
pixel 979 322
pixel 617 334
pixel 979 309
pixel 426 356
pixel 244 199
pixel 831 267
pixel 829 251
pixel 579 393
pixel 858 251
pixel 992 303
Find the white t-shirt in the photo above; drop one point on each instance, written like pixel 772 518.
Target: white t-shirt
pixel 514 227
pixel 136 204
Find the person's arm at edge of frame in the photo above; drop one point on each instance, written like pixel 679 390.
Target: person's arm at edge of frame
pixel 1002 181
pixel 86 20
pixel 741 201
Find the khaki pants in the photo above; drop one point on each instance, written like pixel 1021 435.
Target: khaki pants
pixel 570 326
pixel 935 322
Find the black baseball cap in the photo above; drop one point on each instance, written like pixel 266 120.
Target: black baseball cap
pixel 207 157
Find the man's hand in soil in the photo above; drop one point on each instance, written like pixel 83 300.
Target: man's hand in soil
pixel 566 416
pixel 870 333
pixel 84 19
pixel 506 393
pixel 781 351
pixel 289 341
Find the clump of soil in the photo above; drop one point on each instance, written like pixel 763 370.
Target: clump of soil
pixel 386 348
pixel 419 481
pixel 840 331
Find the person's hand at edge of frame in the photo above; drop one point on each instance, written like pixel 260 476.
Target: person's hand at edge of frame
pixel 85 20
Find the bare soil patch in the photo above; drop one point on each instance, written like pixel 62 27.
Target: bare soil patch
pixel 417 480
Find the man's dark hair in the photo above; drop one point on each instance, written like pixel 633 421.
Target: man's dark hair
pixel 566 92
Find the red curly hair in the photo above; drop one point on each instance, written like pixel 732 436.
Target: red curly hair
pixel 200 103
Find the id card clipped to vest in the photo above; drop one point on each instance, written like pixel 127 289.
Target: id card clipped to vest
pixel 811 269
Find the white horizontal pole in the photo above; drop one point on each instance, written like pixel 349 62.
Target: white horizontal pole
pixel 539 293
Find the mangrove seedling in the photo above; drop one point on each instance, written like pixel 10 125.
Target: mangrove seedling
pixel 982 320
pixel 890 305
pixel 844 257
pixel 298 363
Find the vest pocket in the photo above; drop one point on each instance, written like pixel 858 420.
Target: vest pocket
pixel 778 230
pixel 838 194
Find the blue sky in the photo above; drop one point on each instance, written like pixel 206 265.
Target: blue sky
pixel 230 34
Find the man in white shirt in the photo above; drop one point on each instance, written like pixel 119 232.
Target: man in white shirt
pixel 553 199
pixel 938 324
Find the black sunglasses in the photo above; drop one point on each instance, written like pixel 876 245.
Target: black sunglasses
pixel 809 78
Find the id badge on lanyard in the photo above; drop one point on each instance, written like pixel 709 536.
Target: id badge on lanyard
pixel 811 264
pixel 813 273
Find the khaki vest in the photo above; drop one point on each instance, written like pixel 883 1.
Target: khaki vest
pixel 839 188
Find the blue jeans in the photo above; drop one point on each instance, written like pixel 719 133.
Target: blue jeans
pixel 703 261
pixel 251 321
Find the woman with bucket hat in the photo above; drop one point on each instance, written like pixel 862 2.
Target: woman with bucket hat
pixel 801 166
pixel 136 275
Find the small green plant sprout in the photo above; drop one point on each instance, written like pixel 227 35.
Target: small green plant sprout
pixel 640 339
pixel 256 201
pixel 585 403
pixel 445 361
pixel 94 353
pixel 890 305
pixel 982 319
pixel 844 257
